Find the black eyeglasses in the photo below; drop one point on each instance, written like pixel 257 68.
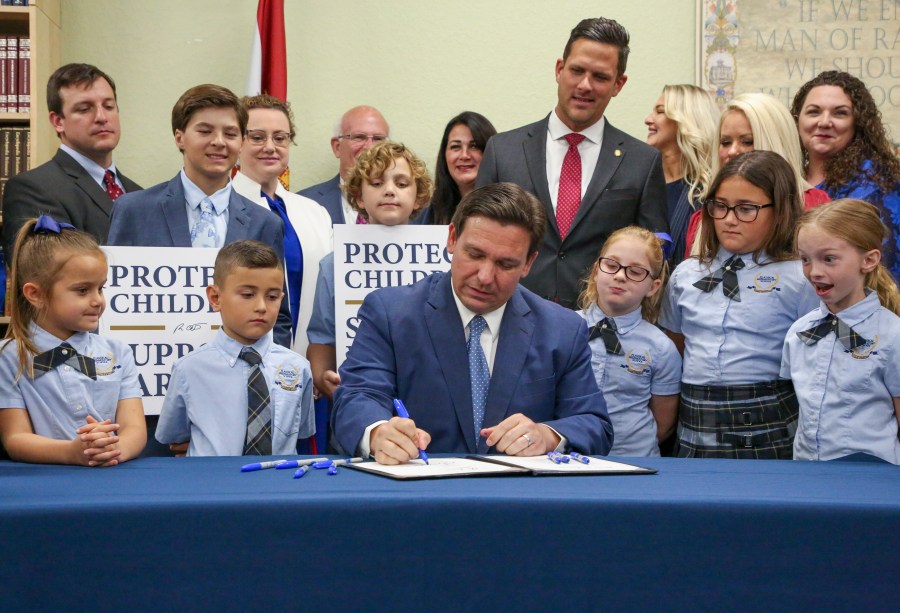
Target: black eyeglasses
pixel 746 211
pixel 634 273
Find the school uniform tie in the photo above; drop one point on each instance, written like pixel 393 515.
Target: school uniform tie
pixel 203 234
pixel 606 329
pixel 479 374
pixel 259 410
pixel 727 276
pixel 568 199
pixel 64 354
pixel 849 339
pixel 112 188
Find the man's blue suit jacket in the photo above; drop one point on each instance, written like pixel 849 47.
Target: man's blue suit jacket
pixel 411 345
pixel 328 194
pixel 156 217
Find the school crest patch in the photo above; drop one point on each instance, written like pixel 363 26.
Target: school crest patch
pixel 864 351
pixel 288 378
pixel 637 362
pixel 105 364
pixel 765 282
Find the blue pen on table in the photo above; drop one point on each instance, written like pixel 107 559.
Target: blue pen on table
pixel 249 468
pixel 580 458
pixel 301 471
pixel 402 412
pixel 299 463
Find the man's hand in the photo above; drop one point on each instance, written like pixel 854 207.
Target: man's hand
pixel 397 441
pixel 518 435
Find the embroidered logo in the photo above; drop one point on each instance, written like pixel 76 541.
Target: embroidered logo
pixel 637 363
pixel 860 353
pixel 288 378
pixel 765 282
pixel 105 364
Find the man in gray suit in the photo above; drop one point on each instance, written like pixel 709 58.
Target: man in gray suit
pixel 359 129
pixel 592 178
pixel 79 184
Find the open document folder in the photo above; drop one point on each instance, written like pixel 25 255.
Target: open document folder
pixel 497 466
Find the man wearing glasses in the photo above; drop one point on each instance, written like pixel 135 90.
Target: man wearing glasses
pixel 359 128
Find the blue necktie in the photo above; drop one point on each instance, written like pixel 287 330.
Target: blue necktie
pixel 203 234
pixel 479 374
pixel 293 259
pixel 259 410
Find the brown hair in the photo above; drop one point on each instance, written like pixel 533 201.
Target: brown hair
pixel 507 204
pixel 372 163
pixel 82 75
pixel 659 269
pixel 870 140
pixel 858 223
pixel 39 258
pixel 204 97
pixel 601 30
pixel 772 174
pixel 268 101
pixel 247 253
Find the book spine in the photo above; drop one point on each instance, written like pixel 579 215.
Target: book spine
pixel 17 165
pixel 24 81
pixel 6 149
pixel 4 77
pixel 12 59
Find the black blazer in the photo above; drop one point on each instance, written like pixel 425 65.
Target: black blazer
pixel 62 189
pixel 627 188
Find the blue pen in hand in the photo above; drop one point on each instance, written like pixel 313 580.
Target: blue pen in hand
pixel 402 412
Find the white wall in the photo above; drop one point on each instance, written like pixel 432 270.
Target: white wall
pixel 420 62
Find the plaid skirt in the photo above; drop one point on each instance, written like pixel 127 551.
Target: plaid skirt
pixel 756 421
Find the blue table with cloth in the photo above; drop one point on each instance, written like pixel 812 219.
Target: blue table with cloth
pixel 196 534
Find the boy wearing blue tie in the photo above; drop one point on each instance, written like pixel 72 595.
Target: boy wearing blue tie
pixel 241 394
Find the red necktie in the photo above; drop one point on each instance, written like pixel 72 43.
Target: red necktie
pixel 112 188
pixel 569 196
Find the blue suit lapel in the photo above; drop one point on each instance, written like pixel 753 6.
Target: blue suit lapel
pixel 449 342
pixel 331 200
pixel 516 331
pixel 238 220
pixel 174 213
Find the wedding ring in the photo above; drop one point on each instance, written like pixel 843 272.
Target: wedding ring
pixel 527 438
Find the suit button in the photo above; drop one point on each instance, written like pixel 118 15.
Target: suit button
pixel 562 255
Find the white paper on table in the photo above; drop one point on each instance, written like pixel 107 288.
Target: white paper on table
pixel 543 465
pixel 438 467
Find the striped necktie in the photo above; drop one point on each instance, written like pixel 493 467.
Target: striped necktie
pixel 259 410
pixel 64 354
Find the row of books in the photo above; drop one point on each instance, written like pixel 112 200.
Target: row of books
pixel 14 2
pixel 15 153
pixel 15 73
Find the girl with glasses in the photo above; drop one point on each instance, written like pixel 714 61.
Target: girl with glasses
pixel 730 308
pixel 635 364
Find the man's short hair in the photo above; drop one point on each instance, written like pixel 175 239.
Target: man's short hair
pixel 268 101
pixel 204 97
pixel 247 253
pixel 72 74
pixel 507 204
pixel 601 30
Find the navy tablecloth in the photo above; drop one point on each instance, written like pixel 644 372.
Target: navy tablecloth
pixel 197 534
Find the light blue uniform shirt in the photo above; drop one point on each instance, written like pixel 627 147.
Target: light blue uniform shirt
pixel 59 401
pixel 650 365
pixel 321 328
pixel 735 343
pixel 207 398
pixel 846 397
pixel 193 195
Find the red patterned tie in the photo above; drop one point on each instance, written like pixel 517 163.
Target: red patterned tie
pixel 569 197
pixel 112 188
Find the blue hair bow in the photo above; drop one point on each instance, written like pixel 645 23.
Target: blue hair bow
pixel 45 223
pixel 667 244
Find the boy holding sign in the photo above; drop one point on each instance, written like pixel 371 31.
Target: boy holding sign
pixel 389 186
pixel 241 394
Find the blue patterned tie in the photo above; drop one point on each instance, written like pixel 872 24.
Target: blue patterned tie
pixel 479 374
pixel 203 234
pixel 259 410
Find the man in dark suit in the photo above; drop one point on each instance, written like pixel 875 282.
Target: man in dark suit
pixel 79 184
pixel 592 178
pixel 522 385
pixel 199 207
pixel 359 129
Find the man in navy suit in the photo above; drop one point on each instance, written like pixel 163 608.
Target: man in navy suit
pixel 359 129
pixel 78 186
pixel 209 124
pixel 534 363
pixel 615 180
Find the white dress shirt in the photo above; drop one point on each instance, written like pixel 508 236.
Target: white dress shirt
pixel 557 146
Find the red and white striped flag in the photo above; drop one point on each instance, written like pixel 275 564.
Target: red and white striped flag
pixel 268 58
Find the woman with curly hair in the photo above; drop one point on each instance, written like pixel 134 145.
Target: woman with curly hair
pixel 459 157
pixel 847 151
pixel 682 126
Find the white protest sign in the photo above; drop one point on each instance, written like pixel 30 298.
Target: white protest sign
pixel 156 303
pixel 369 257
